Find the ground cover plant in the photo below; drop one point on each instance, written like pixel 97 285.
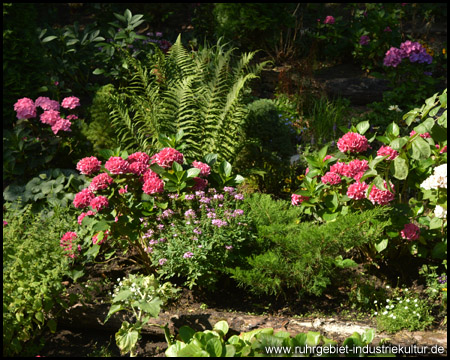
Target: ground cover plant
pixel 131 139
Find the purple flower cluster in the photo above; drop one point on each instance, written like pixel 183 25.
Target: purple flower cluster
pixel 412 50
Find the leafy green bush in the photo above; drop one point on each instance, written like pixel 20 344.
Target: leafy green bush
pixel 54 187
pixel 302 256
pixel 268 145
pixel 33 268
pixel 259 342
pixel 99 130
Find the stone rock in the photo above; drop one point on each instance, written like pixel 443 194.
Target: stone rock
pixel 360 91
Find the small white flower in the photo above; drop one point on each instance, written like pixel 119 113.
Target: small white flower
pixel 407 300
pixel 397 298
pixel 384 313
pixel 375 313
pixel 406 290
pixel 394 317
pixel 388 287
pixel 415 300
pixel 388 300
pixel 406 308
pixel 400 301
pixel 387 306
pixel 375 301
pixel 392 306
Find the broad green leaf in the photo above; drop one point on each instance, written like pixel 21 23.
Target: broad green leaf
pixel 49 38
pixel 225 168
pixel 381 245
pixel 112 310
pixel 126 338
pixel 398 143
pixel 362 127
pixel 401 168
pixel 173 350
pixel 222 326
pixel 420 149
pixel 122 295
pixel 313 338
pixel 186 333
pixel 193 172
pixel 214 347
pixel 392 130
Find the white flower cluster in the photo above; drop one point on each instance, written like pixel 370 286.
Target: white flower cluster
pixel 437 180
pixel 440 212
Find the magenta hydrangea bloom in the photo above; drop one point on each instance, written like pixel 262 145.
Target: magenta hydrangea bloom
pixel 61 125
pixel 205 169
pixel 166 157
pixel 381 197
pixel 117 165
pixel 393 57
pixel 66 242
pixel 70 102
pixel 25 108
pixel 89 165
pixel 154 185
pixel 357 190
pixel 387 151
pixel 298 199
pixel 340 168
pixel 138 168
pixel 46 103
pixel 364 40
pixel 99 203
pixel 329 20
pixel 200 184
pixel 50 117
pixel 331 178
pixel 83 198
pixel 353 143
pixel 410 232
pixel 149 174
pixel 138 157
pixel 356 168
pixel 100 182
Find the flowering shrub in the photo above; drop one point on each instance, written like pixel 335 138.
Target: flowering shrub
pixel 132 191
pixel 394 171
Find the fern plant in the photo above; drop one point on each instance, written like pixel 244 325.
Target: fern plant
pixel 197 92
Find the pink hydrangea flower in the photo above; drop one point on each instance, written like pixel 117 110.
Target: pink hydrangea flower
pixel 357 190
pixel 100 182
pixel 356 168
pixel 138 168
pixel 331 178
pixel 393 57
pixel 83 198
pixel 117 165
pixel 166 157
pixel 154 185
pixel 353 143
pixel 105 237
pixel 46 103
pixel 25 108
pixel 188 255
pixel 99 203
pixel 329 20
pixel 88 165
pixel 139 157
pixel 70 102
pixel 83 215
pixel 327 157
pixel 66 243
pixel 381 197
pixel 205 169
pixel 340 168
pixel 200 184
pixel 298 199
pixel 50 117
pixel 149 174
pixel 61 125
pixel 123 190
pixel 410 232
pixel 71 117
pixel 387 151
pixel 423 136
pixel 364 40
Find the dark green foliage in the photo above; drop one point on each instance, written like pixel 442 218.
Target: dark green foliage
pixel 301 256
pixel 23 65
pixel 99 131
pixel 33 268
pixel 253 25
pixel 268 146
